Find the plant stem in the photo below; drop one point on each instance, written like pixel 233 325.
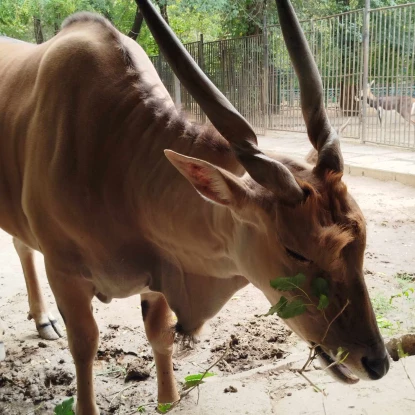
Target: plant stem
pixel 312 383
pixel 119 393
pixel 185 393
pixel 332 321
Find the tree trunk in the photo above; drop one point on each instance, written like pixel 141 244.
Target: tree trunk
pixel 135 29
pixel 163 9
pixel 38 30
pixel 255 11
pixel 56 25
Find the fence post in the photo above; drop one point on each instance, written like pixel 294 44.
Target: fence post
pixel 265 75
pixel 278 90
pixel 159 66
pixel 365 37
pixel 201 62
pixel 177 92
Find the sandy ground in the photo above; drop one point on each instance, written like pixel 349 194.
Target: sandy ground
pixel 38 374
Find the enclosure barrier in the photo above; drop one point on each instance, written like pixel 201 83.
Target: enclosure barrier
pixel 256 75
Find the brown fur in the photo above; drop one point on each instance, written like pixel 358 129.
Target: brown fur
pixel 326 208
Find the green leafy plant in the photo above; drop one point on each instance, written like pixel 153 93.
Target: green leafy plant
pixel 405 293
pixel 288 283
pixel 65 408
pixel 384 323
pixel 341 355
pixel 381 304
pixel 297 306
pixel 401 352
pixel 163 408
pixel 320 288
pixel 288 309
pixel 193 380
pixel 141 409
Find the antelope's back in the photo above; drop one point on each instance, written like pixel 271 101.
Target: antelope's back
pixel 65 106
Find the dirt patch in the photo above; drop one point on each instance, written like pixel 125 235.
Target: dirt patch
pixel 260 340
pixel 230 389
pixel 36 378
pixel 138 370
pixel 57 377
pixel 27 376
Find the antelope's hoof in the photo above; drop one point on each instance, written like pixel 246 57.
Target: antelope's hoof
pixel 50 330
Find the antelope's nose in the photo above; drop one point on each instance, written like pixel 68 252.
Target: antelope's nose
pixel 376 368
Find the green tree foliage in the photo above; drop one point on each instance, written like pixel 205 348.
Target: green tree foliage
pixel 188 20
pixel 216 19
pixel 16 16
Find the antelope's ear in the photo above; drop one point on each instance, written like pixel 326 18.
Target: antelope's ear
pixel 213 183
pixel 372 83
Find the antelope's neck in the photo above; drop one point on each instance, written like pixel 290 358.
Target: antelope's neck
pixel 372 101
pixel 196 235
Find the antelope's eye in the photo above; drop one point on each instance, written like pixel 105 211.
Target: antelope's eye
pixel 296 256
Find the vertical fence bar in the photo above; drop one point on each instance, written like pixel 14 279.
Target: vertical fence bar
pixel 400 80
pixel 374 62
pixel 337 68
pixel 201 62
pixel 393 77
pixel 411 66
pixel 365 37
pixel 177 92
pixel 389 42
pixel 265 74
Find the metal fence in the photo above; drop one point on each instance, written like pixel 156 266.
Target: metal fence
pixel 256 75
pixel 235 66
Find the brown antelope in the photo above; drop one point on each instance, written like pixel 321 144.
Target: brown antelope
pixel 403 105
pixel 123 196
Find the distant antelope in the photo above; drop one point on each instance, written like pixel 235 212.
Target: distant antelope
pixel 403 105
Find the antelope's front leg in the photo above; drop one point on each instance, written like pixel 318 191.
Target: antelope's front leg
pixel 158 323
pixel 73 295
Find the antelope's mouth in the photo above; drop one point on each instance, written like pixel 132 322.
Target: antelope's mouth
pixel 338 370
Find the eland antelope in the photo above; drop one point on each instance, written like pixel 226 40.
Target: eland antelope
pixel 404 105
pixel 123 196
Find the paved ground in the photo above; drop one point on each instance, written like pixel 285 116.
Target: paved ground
pixel 378 162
